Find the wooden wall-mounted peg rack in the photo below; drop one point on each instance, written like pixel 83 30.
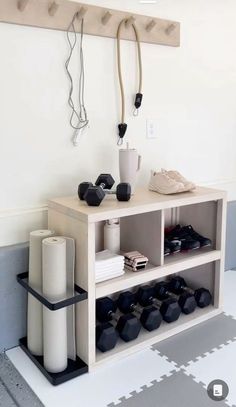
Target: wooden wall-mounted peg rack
pixel 99 21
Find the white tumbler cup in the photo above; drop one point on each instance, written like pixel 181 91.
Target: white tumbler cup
pixel 129 164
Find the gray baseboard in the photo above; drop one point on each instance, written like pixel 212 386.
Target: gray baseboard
pixel 230 255
pixel 13 260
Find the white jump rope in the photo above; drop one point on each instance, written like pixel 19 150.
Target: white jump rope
pixel 79 115
pixel 79 118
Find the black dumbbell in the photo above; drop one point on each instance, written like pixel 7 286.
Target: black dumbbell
pixel 104 181
pixel 82 189
pixel 94 195
pixel 106 337
pixel 169 308
pixel 150 317
pixel 186 300
pixel 202 296
pixel 128 326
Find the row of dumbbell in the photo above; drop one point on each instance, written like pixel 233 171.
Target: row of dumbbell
pixel 147 307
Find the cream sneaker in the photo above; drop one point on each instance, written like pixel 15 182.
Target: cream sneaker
pixel 161 182
pixel 176 176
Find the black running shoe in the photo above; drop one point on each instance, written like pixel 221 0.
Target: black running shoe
pixel 187 241
pixel 204 241
pixel 174 245
pixel 167 250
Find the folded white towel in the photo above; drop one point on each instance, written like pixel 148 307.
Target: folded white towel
pixel 109 272
pixel 109 276
pixel 109 266
pixel 107 257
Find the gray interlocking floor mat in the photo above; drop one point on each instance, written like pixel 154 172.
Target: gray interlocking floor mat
pixel 197 341
pixel 176 390
pixel 14 391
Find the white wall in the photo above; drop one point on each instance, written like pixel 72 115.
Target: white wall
pixel 190 91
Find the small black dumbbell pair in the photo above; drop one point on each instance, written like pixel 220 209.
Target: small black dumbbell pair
pixel 149 316
pixel 94 195
pixel 176 290
pixel 168 307
pixel 202 296
pixel 186 300
pixel 113 325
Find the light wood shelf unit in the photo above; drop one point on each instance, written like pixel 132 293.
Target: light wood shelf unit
pixel 146 215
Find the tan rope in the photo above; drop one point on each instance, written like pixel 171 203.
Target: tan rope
pixel 120 73
pixel 119 66
pixel 139 59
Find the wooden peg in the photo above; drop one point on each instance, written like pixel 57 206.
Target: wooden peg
pixel 52 9
pixel 107 16
pixel 150 25
pixel 129 21
pixel 21 5
pixel 170 28
pixel 81 13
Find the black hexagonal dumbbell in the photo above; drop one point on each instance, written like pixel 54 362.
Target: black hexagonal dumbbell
pixel 150 317
pixel 82 189
pixel 94 195
pixel 202 296
pixel 106 337
pixel 186 300
pixel 169 308
pixel 127 326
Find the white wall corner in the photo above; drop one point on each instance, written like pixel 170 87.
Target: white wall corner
pixel 228 185
pixel 15 225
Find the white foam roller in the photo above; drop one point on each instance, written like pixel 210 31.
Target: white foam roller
pixel 35 309
pixel 54 288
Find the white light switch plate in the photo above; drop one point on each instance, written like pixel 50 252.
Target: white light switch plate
pixel 151 128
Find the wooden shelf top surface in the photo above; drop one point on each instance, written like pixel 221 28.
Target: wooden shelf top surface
pixel 143 201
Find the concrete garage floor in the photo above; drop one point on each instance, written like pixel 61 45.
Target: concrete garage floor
pixel 172 372
pixel 14 391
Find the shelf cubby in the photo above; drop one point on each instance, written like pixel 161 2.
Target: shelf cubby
pixel 202 216
pixel 142 232
pixel 143 220
pixel 166 330
pixel 196 277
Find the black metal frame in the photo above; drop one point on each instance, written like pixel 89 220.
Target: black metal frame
pixel 75 368
pixel 80 295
